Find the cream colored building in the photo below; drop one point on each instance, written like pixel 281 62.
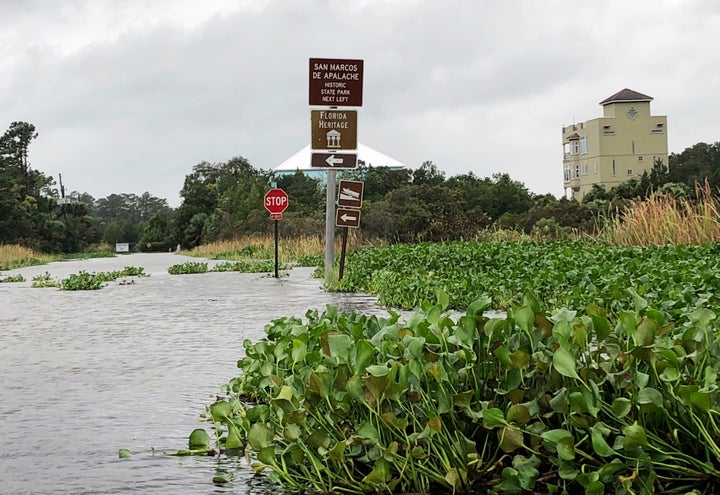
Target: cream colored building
pixel 621 145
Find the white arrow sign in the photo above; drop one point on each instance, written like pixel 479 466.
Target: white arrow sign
pixel 332 161
pixel 347 218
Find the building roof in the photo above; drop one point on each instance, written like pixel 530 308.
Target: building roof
pixel 625 96
pixel 301 159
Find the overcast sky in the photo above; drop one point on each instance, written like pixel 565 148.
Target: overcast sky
pixel 129 95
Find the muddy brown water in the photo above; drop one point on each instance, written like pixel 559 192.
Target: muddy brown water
pixel 84 374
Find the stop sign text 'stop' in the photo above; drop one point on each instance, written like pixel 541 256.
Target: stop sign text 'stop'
pixel 276 201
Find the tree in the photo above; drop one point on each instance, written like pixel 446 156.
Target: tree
pixel 14 151
pixel 428 173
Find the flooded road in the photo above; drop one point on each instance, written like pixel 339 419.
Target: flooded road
pixel 84 374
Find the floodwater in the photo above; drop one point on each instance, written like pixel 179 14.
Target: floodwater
pixel 84 374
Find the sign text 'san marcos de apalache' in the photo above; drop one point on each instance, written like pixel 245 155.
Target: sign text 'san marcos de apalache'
pixel 336 82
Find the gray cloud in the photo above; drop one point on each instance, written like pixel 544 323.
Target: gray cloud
pixel 474 86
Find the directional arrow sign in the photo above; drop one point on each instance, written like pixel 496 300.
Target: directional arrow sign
pixel 347 217
pixel 350 193
pixel 333 160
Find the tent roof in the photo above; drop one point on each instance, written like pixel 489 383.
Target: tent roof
pixel 301 159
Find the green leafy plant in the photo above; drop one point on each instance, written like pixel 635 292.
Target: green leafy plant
pixel 564 401
pixel 87 281
pixel 311 260
pixel 12 278
pixel 675 279
pixel 189 267
pixel 44 281
pixel 258 266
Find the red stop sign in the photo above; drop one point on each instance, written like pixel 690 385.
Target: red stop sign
pixel 276 201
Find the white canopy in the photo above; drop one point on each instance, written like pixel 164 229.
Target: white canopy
pixel 301 159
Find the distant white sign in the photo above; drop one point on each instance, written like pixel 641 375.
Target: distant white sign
pixel 122 247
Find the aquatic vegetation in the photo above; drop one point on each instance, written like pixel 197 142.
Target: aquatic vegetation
pixel 562 401
pixel 44 281
pixel 673 278
pixel 12 278
pixel 256 266
pixel 311 260
pixel 245 266
pixel 87 281
pixel 188 267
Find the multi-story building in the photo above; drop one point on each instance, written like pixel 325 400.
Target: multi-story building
pixel 625 142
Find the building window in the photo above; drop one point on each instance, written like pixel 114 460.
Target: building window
pixel 633 147
pixel 584 169
pixel 576 147
pixel 640 158
pixel 567 173
pixel 577 170
pixel 583 145
pixel 629 171
pixel 614 170
pixel 595 168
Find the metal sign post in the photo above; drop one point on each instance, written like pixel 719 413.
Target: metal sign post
pixel 330 227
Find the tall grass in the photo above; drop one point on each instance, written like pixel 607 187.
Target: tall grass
pixel 15 256
pixel 663 219
pixel 263 247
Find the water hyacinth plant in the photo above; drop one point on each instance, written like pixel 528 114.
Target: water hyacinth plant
pixel 93 281
pixel 566 402
pixel 573 274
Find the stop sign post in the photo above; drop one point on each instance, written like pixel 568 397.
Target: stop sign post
pixel 276 202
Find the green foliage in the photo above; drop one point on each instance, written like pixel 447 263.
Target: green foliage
pixel 695 165
pixel 246 266
pixel 311 260
pixel 350 403
pixel 12 278
pixel 254 266
pixel 44 281
pixel 188 267
pixel 93 281
pixel 88 255
pixel 568 273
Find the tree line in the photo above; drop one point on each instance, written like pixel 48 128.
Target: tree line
pixel 225 200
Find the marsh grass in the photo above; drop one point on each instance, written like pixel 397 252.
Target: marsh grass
pixel 664 219
pixel 263 247
pixel 15 256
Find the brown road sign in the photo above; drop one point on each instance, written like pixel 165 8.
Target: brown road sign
pixel 350 193
pixel 333 129
pixel 336 82
pixel 333 160
pixel 347 217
